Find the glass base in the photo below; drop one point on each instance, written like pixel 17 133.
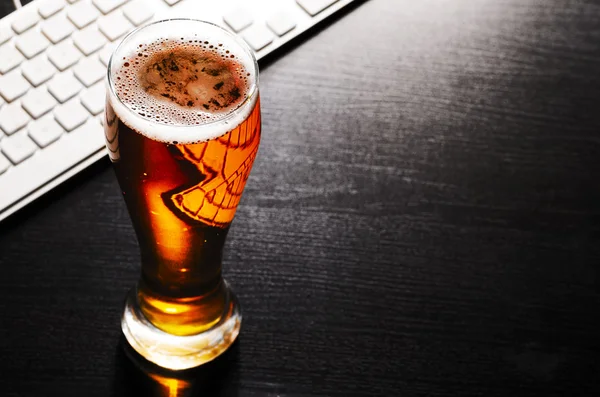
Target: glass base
pixel 180 352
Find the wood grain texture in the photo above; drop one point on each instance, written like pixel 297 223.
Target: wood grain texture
pixel 422 219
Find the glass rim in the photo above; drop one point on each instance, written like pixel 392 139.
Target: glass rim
pixel 252 91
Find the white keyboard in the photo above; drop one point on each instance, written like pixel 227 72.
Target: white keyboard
pixel 53 57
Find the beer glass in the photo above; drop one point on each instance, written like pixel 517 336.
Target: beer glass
pixel 182 125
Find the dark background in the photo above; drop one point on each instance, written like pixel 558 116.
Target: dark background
pixel 422 219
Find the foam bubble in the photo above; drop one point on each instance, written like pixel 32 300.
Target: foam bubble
pixel 183 89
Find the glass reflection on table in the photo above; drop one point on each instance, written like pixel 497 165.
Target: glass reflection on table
pixel 135 376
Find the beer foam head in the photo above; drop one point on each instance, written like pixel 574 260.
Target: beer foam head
pixel 182 81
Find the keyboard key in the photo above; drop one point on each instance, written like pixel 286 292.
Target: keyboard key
pixel 107 6
pixel 51 162
pixel 9 58
pixel 281 23
pixel 38 102
pixel 45 131
pixel 51 7
pixel 13 85
pixel 13 118
pixel 89 71
pixel 238 20
pixel 82 14
pixel 32 43
pixel 313 7
pixel 24 21
pixel 18 147
pixel 258 37
pixel 38 70
pixel 57 28
pixel 63 55
pixel 4 163
pixel 5 33
pixel 114 25
pixel 137 12
pixel 93 98
pixel 89 40
pixel 64 86
pixel 71 114
pixel 105 53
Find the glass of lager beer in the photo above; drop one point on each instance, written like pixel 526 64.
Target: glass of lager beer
pixel 182 125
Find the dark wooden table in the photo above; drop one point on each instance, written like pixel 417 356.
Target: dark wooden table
pixel 422 219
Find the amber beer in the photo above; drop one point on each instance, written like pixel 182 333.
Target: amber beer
pixel 183 128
